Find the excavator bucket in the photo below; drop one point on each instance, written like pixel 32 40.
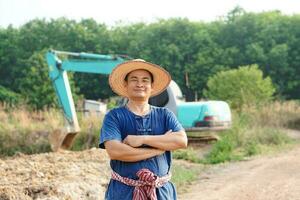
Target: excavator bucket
pixel 60 140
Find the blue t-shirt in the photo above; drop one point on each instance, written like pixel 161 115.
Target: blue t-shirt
pixel 120 122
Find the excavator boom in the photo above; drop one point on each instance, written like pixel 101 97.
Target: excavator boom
pixel 77 62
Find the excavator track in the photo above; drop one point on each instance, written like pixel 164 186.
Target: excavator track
pixel 194 140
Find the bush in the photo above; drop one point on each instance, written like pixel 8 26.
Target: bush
pixel 222 151
pixel 9 97
pixel 240 87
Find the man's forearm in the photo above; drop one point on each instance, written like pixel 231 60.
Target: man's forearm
pixel 123 152
pixel 168 142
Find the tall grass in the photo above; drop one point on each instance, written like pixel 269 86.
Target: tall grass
pixel 22 130
pixel 276 114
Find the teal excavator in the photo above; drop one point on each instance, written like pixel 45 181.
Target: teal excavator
pixel 194 116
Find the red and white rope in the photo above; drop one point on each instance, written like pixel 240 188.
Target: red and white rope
pixel 146 184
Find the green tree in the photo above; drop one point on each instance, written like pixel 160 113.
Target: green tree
pixel 240 87
pixel 9 97
pixel 34 84
pixel 9 52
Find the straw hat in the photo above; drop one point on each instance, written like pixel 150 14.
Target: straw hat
pixel 161 78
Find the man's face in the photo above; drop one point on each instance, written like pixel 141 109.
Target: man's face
pixel 139 85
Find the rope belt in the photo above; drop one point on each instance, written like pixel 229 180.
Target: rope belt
pixel 145 185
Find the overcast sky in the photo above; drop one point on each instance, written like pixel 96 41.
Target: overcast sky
pixel 18 12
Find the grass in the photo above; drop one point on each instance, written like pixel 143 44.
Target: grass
pixel 24 131
pixel 27 131
pixel 187 154
pixel 184 175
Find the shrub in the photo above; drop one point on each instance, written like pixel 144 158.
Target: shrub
pixel 240 87
pixel 9 97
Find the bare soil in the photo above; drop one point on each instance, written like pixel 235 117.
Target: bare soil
pixel 52 176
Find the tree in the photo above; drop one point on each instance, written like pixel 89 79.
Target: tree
pixel 9 52
pixel 34 84
pixel 240 87
pixel 9 97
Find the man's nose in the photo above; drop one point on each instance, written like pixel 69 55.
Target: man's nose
pixel 139 83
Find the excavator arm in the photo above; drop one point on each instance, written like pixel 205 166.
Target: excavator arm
pixel 58 68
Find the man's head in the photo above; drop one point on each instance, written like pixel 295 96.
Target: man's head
pixel 139 78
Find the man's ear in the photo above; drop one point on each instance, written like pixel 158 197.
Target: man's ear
pixel 125 83
pixel 151 87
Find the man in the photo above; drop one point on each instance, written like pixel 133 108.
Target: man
pixel 138 137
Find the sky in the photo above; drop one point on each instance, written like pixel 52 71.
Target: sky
pixel 114 12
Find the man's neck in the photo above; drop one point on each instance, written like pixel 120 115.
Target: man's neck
pixel 138 107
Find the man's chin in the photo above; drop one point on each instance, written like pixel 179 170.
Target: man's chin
pixel 139 97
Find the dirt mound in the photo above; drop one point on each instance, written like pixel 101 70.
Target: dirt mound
pixel 61 175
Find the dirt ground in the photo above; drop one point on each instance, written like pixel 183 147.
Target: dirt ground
pixel 84 175
pixel 55 176
pixel 272 177
pixel 275 177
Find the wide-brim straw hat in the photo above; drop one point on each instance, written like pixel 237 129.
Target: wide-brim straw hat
pixel 161 78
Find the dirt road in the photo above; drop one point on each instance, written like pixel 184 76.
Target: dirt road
pixel 273 177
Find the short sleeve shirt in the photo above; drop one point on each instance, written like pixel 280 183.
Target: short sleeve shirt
pixel 119 123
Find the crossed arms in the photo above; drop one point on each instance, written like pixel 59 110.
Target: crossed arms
pixel 129 150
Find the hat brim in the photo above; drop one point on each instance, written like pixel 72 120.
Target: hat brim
pixel 161 78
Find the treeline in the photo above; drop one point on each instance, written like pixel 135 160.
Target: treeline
pixel 190 51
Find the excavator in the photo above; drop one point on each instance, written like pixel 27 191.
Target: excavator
pixel 194 116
